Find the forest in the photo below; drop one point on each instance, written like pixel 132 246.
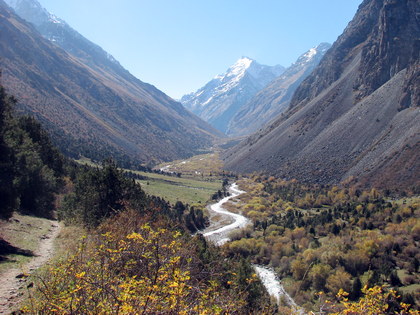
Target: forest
pixel 329 238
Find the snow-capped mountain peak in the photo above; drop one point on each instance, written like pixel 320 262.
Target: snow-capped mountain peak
pixel 314 53
pixel 240 67
pixel 275 97
pixel 310 53
pixel 220 98
pixel 31 10
pixel 58 31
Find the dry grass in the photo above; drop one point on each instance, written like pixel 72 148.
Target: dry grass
pixel 200 166
pixel 68 240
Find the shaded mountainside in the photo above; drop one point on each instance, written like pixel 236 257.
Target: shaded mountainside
pixel 95 109
pixel 357 115
pixel 221 98
pixel 275 98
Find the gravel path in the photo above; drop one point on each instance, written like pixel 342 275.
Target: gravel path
pixel 13 283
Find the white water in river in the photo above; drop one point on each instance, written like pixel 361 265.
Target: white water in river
pixel 219 236
pixel 274 287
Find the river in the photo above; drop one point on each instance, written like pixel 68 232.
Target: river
pixel 218 232
pixel 223 222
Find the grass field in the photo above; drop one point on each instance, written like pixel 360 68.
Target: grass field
pixel 201 177
pixel 191 190
pixel 205 165
pixel 173 192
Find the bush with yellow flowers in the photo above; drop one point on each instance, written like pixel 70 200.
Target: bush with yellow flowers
pixel 134 267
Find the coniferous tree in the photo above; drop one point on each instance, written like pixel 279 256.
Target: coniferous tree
pixel 356 290
pixel 8 195
pixel 30 166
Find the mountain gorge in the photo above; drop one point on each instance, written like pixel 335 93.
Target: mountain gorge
pixel 89 103
pixel 221 98
pixel 275 98
pixel 357 114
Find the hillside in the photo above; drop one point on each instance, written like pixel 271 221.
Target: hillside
pixel 357 114
pixel 89 103
pixel 276 96
pixel 225 95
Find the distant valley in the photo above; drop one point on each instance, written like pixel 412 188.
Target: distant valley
pixel 349 111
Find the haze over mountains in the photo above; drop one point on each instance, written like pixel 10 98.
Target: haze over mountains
pixel 90 104
pixel 357 114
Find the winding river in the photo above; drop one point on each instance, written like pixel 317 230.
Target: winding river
pixel 223 222
pixel 218 232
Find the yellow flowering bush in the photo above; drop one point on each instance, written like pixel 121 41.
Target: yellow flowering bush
pixel 142 272
pixel 375 301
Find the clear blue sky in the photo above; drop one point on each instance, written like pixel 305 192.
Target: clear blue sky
pixel 179 45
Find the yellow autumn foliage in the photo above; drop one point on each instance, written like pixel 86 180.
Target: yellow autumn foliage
pixel 141 273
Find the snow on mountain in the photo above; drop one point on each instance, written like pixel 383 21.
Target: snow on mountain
pixel 58 31
pixel 275 97
pixel 221 98
pixel 32 11
pixel 313 53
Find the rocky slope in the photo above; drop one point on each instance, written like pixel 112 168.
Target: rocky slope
pixel 221 98
pixel 275 98
pixel 90 104
pixel 357 115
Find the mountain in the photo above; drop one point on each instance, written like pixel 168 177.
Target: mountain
pixel 89 103
pixel 221 98
pixel 357 115
pixel 275 98
pixel 60 33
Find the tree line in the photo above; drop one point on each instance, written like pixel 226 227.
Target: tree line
pixel 31 167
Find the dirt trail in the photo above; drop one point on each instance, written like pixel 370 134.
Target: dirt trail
pixel 13 282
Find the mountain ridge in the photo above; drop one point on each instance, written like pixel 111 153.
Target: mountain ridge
pixel 340 124
pixel 92 109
